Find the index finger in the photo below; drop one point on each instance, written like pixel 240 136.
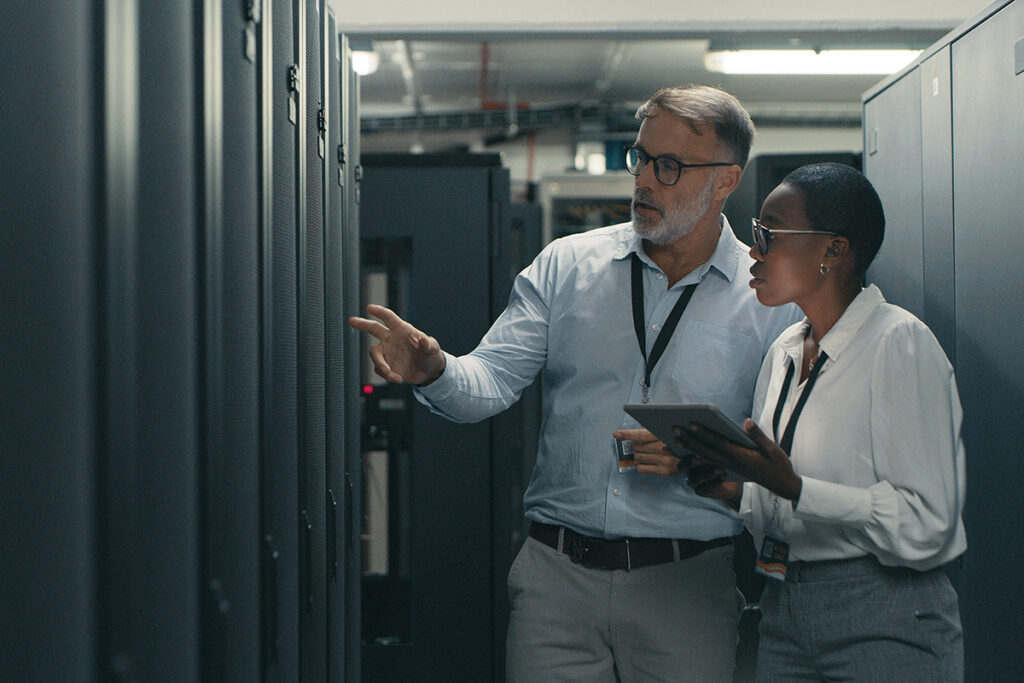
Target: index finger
pixel 389 317
pixel 369 326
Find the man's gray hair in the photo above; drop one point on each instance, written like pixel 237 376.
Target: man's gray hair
pixel 701 105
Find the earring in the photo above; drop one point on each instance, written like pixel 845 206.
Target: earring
pixel 823 269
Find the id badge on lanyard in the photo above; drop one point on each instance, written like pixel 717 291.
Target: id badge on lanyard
pixel 773 557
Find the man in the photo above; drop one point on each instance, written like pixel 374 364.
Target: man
pixel 625 576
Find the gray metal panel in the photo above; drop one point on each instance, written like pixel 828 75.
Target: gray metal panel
pixel 937 199
pixel 892 161
pixel 988 143
pixel 48 378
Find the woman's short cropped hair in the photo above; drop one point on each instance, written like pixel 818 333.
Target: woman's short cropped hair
pixel 840 199
pixel 701 105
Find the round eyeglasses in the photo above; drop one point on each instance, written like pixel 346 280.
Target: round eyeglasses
pixel 666 169
pixel 763 235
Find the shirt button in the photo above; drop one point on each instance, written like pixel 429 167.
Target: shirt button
pixel 655 327
pixel 616 492
pixel 660 276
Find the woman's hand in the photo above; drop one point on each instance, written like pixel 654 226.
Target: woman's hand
pixel 768 465
pixel 708 480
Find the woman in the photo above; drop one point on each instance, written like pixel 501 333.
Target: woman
pixel 855 491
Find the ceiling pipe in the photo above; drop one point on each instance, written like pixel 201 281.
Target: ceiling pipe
pixel 613 57
pixel 407 65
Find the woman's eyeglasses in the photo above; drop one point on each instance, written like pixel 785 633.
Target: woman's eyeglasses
pixel 666 169
pixel 763 235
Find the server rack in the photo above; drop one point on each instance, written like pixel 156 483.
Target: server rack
pixel 279 532
pixel 49 310
pixel 447 497
pixel 163 237
pixel 943 145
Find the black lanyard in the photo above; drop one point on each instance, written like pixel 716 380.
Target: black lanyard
pixel 787 438
pixel 641 326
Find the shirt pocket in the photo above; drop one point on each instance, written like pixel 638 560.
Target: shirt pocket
pixel 712 361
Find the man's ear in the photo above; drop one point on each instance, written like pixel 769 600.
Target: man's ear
pixel 727 180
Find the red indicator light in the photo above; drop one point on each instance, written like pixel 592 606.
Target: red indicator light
pixel 367 388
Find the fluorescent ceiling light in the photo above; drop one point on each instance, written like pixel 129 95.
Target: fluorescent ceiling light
pixel 364 62
pixel 879 62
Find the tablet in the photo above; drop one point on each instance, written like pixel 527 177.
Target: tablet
pixel 661 419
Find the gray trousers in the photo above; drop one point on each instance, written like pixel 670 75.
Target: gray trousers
pixel 855 620
pixel 667 622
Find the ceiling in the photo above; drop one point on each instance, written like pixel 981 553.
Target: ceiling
pixel 426 83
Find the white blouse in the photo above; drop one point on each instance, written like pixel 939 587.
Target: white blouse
pixel 877 446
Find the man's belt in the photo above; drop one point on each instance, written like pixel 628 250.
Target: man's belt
pixel 621 553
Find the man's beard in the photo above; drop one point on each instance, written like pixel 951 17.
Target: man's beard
pixel 677 221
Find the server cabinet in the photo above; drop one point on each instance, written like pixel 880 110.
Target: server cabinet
pixel 967 88
pixel 279 534
pixel 435 229
pixel 891 156
pixel 988 144
pixel 280 484
pixel 49 312
pixel 150 458
pixel 164 388
pixel 351 177
pixel 937 200
pixel 312 360
pixel 340 388
pixel 230 358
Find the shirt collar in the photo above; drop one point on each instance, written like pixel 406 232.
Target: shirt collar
pixel 725 258
pixel 843 332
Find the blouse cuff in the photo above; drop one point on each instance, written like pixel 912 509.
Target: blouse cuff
pixel 824 501
pixel 746 501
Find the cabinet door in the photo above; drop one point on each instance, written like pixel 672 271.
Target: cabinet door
pixel 153 494
pixel 892 161
pixel 48 378
pixel 351 175
pixel 937 198
pixel 312 361
pixel 279 470
pixel 340 388
pixel 230 299
pixel 988 144
pixel 428 556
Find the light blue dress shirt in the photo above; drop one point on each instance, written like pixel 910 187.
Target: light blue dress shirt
pixel 570 315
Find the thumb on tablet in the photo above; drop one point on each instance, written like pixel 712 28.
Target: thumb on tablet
pixel 755 433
